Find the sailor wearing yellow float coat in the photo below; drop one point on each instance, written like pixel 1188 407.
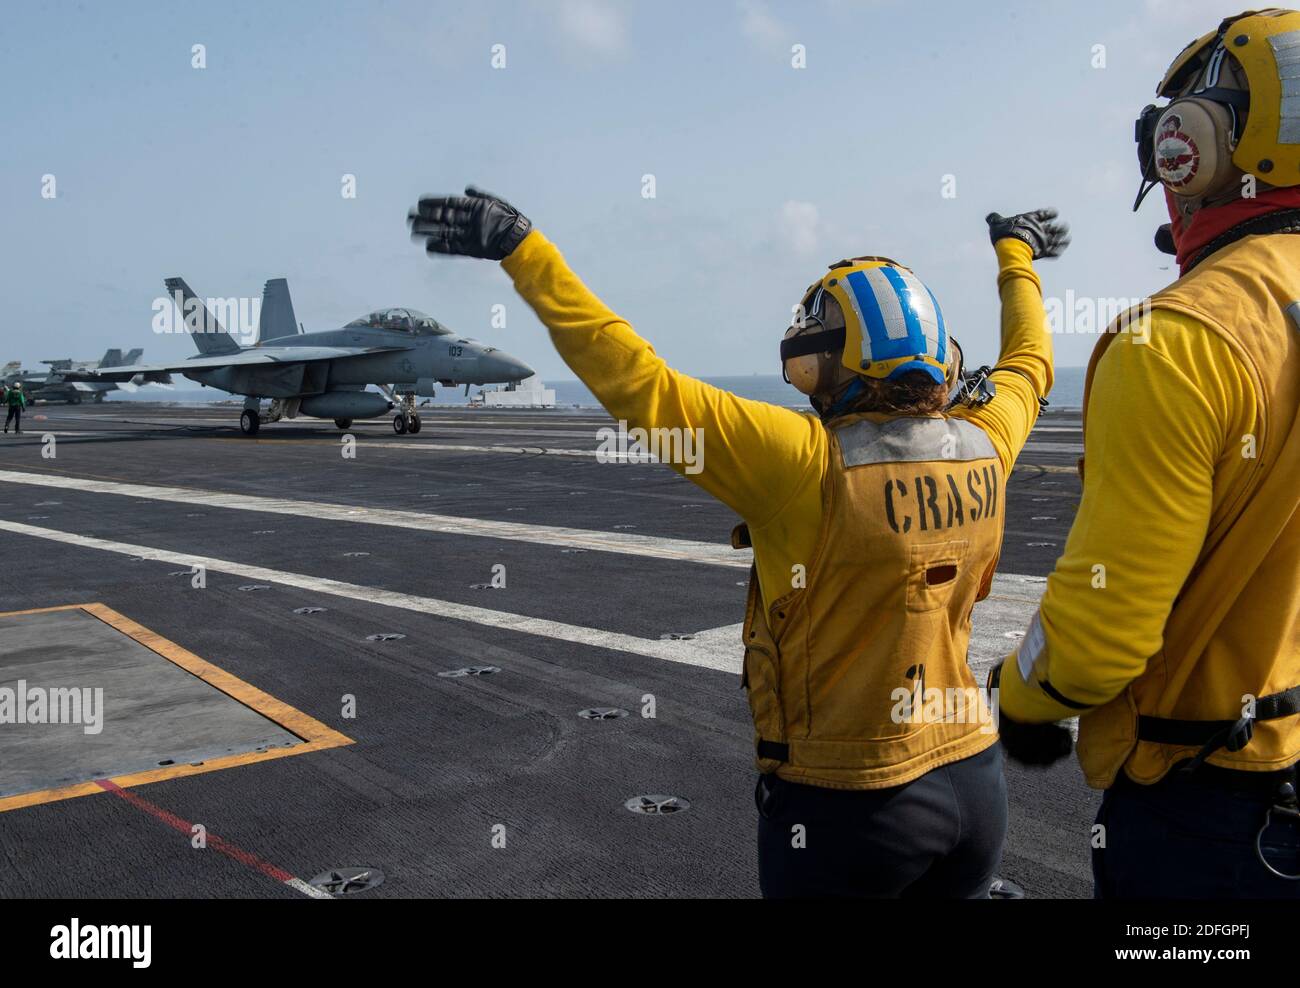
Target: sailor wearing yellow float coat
pixel 1172 620
pixel 890 505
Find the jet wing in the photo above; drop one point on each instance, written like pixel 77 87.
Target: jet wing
pixel 249 357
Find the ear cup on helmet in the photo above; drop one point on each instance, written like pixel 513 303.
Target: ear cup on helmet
pixel 811 354
pixel 813 373
pixel 1193 148
pixel 956 363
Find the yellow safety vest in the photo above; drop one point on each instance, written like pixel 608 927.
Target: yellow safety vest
pixel 859 679
pixel 1229 669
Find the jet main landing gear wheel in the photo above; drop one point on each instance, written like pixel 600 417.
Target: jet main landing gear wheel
pixel 415 424
pixel 399 424
pixel 249 422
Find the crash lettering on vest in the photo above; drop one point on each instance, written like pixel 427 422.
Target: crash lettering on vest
pixel 933 503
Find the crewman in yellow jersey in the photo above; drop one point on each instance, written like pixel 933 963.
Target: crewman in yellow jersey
pixel 875 525
pixel 1171 625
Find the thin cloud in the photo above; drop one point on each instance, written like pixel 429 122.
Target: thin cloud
pixel 800 225
pixel 594 24
pixel 760 25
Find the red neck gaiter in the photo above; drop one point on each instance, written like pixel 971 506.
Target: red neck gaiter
pixel 1209 223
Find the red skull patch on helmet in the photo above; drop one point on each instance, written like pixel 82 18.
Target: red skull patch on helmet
pixel 1177 157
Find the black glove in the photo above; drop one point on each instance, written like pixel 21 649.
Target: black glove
pixel 1045 238
pixel 1038 745
pixel 476 224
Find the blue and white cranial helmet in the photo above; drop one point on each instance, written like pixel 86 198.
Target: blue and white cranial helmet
pixel 892 321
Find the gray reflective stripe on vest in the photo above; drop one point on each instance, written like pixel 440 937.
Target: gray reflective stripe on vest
pixel 910 440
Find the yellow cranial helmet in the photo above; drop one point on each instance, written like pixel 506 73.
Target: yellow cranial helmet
pixel 892 322
pixel 1235 95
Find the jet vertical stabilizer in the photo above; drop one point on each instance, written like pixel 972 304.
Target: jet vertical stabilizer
pixel 200 323
pixel 277 319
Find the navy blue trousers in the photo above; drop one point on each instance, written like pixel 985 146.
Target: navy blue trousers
pixel 1193 838
pixel 939 836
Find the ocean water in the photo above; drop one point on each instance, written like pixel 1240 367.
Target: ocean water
pixel 1067 392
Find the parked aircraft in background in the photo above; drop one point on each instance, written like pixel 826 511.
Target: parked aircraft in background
pixel 54 385
pixel 403 352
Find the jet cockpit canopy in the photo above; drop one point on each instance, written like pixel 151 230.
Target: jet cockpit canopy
pixel 402 320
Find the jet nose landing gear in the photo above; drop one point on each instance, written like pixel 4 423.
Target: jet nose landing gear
pixel 403 423
pixel 407 418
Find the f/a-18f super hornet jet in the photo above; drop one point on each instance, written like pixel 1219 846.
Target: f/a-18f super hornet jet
pixel 324 374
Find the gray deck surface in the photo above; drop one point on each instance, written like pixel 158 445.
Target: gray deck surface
pixel 439 762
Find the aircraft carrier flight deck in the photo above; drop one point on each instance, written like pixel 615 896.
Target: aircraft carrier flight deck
pixel 475 661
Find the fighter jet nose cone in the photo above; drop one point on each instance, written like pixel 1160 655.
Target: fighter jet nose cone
pixel 510 368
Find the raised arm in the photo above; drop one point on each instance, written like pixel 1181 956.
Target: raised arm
pixel 751 455
pixel 1023 373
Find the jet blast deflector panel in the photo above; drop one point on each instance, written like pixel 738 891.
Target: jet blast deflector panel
pixel 87 695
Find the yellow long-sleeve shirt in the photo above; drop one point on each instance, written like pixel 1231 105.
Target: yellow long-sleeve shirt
pixel 764 462
pixel 1169 408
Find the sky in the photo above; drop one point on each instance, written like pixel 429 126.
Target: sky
pixel 906 123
